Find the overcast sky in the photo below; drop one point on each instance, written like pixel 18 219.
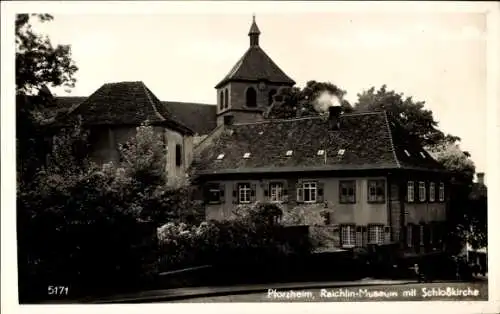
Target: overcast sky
pixel 436 57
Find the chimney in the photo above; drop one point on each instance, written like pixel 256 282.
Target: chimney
pixel 228 120
pixel 334 116
pixel 480 178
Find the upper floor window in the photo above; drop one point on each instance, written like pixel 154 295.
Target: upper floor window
pixel 244 193
pixel 409 235
pixel 178 155
pixel 226 98
pixel 307 192
pixel 347 192
pixel 421 191
pixel 441 192
pixel 376 191
pixel 276 192
pixel 410 191
pixel 251 97
pixel 221 100
pixel 432 192
pixel 348 235
pixel 272 92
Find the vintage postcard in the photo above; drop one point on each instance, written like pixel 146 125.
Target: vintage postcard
pixel 198 155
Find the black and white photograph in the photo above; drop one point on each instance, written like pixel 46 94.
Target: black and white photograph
pixel 249 152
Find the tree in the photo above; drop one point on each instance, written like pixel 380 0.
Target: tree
pixel 412 115
pixel 312 100
pixel 38 64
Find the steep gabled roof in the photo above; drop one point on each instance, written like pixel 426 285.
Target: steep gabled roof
pixel 256 65
pixel 123 103
pixel 368 140
pixel 201 118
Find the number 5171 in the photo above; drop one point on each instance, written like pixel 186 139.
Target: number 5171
pixel 58 290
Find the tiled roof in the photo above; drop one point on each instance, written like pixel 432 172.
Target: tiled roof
pixel 256 65
pixel 201 118
pixel 123 103
pixel 369 141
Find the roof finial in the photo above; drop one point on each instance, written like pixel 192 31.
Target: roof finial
pixel 254 32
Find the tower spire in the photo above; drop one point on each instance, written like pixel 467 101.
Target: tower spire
pixel 254 33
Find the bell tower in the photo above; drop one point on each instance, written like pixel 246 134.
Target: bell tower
pixel 248 89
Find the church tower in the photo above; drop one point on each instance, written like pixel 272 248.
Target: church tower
pixel 247 90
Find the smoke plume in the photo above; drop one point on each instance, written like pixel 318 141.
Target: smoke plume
pixel 324 100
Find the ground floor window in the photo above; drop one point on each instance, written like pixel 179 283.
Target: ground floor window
pixel 307 192
pixel 348 235
pixel 376 234
pixel 409 235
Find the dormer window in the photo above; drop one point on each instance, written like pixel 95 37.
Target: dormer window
pixel 422 154
pixel 220 156
pixel 407 153
pixel 289 152
pixel 321 152
pixel 341 152
pixel 246 155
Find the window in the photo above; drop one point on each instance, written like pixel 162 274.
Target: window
pixel 251 97
pixel 409 235
pixel 421 238
pixel 244 193
pixel 407 153
pixel 341 152
pixel 376 234
pixel 214 193
pixel 246 155
pixel 422 154
pixel 421 191
pixel 220 156
pixel 321 152
pixel 410 191
pixel 221 100
pixel 178 155
pixel 432 192
pixel 348 235
pixel 347 192
pixel 307 192
pixel 289 152
pixel 441 192
pixel 376 191
pixel 271 94
pixel 226 99
pixel 276 191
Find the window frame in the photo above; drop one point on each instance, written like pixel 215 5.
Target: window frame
pixel 422 191
pixel 280 192
pixel 432 192
pixel 246 188
pixel 378 184
pixel 312 186
pixel 350 231
pixel 178 155
pixel 441 192
pixel 410 191
pixel 347 199
pixel 381 235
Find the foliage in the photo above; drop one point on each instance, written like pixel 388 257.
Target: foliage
pixel 411 114
pixel 293 102
pixel 38 64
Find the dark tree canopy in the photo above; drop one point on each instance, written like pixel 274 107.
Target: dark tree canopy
pixel 292 102
pixel 38 64
pixel 412 114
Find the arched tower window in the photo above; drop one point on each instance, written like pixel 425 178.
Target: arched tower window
pixel 251 97
pixel 226 98
pixel 271 94
pixel 221 100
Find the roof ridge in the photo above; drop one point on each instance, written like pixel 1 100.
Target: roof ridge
pixel 391 140
pixel 187 102
pixel 309 118
pixel 157 113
